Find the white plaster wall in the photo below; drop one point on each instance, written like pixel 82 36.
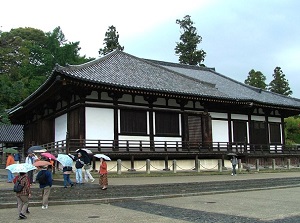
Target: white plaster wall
pixel 159 165
pixel 274 119
pixel 258 118
pixel 239 117
pixel 125 137
pixel 171 141
pixel 61 127
pixel 99 123
pixel 220 131
pixel 218 115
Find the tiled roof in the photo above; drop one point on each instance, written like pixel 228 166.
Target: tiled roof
pixel 119 69
pixel 230 87
pixel 11 133
pixel 124 70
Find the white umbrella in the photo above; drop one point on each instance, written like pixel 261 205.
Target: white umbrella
pixel 65 160
pixel 20 167
pixel 102 156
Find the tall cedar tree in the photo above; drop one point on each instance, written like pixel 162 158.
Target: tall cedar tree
pixel 186 49
pixel 111 41
pixel 256 79
pixel 279 84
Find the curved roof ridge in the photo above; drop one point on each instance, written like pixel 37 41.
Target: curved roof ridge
pixel 84 65
pixel 194 67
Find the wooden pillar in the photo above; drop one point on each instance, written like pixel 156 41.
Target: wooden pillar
pixel 166 163
pixel 132 164
pixel 257 164
pixel 273 164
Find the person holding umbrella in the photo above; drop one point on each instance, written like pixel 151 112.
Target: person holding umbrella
pixel 79 164
pixel 234 162
pixel 103 182
pixel 67 163
pixel 45 180
pixel 24 195
pixel 30 159
pixel 67 170
pixel 9 161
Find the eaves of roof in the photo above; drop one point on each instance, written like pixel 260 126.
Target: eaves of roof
pixel 119 69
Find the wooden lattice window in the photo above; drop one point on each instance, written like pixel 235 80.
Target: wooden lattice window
pixel 167 124
pixel 275 137
pixel 133 122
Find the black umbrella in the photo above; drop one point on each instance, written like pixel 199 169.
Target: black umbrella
pixel 85 155
pixel 34 148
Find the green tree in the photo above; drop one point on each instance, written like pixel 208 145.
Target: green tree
pixel 111 41
pixel 256 79
pixel 292 130
pixel 279 84
pixel 27 57
pixel 186 49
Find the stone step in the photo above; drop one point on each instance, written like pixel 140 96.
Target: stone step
pixel 92 192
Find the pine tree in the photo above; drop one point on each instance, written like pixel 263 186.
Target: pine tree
pixel 111 41
pixel 279 84
pixel 256 79
pixel 189 40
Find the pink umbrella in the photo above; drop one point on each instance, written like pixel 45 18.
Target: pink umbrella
pixel 41 163
pixel 49 156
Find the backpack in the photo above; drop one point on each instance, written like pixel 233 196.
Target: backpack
pixel 18 187
pixel 42 178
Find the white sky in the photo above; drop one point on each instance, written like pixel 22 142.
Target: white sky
pixel 238 35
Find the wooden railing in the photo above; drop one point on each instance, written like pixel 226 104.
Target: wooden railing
pixel 140 146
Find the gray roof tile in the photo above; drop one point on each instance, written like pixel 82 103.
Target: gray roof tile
pixel 124 70
pixel 11 133
pixel 232 88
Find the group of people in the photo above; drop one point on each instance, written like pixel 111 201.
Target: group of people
pixel 45 178
pixel 83 162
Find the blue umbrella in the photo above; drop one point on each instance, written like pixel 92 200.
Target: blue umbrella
pixel 35 149
pixel 20 167
pixel 65 160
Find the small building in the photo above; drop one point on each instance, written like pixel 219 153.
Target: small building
pixel 10 136
pixel 130 107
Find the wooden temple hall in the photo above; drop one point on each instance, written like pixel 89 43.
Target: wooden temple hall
pixel 133 108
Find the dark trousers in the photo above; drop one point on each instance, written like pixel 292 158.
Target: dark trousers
pixel 30 176
pixel 233 168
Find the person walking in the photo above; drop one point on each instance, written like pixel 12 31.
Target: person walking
pixel 87 173
pixel 31 158
pixel 67 170
pixel 17 158
pixel 23 196
pixel 9 161
pixel 234 161
pixel 79 164
pixel 44 177
pixel 103 182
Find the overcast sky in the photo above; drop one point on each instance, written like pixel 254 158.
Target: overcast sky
pixel 238 35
